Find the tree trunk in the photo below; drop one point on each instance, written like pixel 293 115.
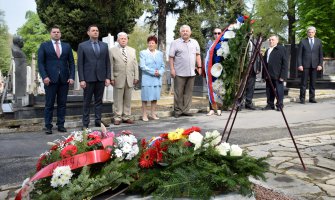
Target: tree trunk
pixel 291 37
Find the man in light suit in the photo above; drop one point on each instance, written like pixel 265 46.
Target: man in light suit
pixel 310 59
pixel 94 71
pixel 124 77
pixel 56 67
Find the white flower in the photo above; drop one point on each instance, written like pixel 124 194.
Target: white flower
pixel 216 70
pixel 51 143
pixel 118 153
pixel 78 136
pixel 223 148
pixel 219 52
pixel 214 137
pixel 135 149
pixel 225 49
pixel 196 138
pixel 27 187
pixel 235 150
pixel 229 34
pixel 126 148
pixel 61 176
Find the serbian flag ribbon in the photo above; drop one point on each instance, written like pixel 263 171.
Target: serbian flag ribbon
pixel 77 161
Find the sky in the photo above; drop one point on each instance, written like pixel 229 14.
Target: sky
pixel 15 12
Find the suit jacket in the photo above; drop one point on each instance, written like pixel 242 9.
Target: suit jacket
pixel 49 65
pixel 310 58
pixel 123 73
pixel 149 63
pixel 92 68
pixel 277 65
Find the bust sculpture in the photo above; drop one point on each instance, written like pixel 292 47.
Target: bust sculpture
pixel 20 67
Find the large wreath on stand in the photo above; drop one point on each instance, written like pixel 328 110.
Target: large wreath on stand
pixel 226 61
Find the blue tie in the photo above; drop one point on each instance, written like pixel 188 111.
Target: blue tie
pixel 96 48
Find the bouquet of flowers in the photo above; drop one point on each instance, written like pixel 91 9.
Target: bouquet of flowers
pixel 186 163
pixel 83 165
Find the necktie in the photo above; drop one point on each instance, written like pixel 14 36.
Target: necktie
pixel 124 55
pixel 96 48
pixel 311 43
pixel 57 49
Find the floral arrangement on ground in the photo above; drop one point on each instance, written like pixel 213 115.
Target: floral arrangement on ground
pixel 180 163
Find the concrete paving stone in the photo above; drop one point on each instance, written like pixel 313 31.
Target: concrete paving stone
pixel 307 161
pixel 259 154
pixel 312 173
pixel 4 194
pixel 288 149
pixel 263 147
pixel 324 137
pixel 289 154
pixel 329 189
pixel 327 198
pixel 291 185
pixel 285 165
pixel 326 163
pixel 276 170
pixel 289 143
pixel 331 182
pixel 230 196
pixel 274 161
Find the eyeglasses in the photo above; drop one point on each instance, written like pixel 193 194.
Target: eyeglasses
pixel 217 33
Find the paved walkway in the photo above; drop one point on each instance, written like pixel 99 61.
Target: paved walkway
pixel 286 175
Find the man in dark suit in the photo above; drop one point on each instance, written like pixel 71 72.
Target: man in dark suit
pixel 56 67
pixel 276 63
pixel 94 71
pixel 310 59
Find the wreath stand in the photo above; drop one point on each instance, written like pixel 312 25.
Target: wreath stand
pixel 239 95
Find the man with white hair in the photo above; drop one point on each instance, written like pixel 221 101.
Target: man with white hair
pixel 183 56
pixel 310 59
pixel 124 77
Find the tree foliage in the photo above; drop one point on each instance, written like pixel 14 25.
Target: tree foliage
pixel 319 14
pixel 74 16
pixel 270 16
pixel 33 32
pixel 5 52
pixel 138 39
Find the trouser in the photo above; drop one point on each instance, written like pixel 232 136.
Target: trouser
pixel 270 94
pixel 311 74
pixel 53 90
pixel 122 102
pixel 183 89
pixel 97 89
pixel 249 88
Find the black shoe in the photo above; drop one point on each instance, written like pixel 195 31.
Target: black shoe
pixel 187 114
pixel 312 101
pixel 48 131
pixel 250 107
pixel 268 108
pixel 302 101
pixel 177 115
pixel 61 129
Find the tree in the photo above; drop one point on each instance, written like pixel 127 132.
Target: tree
pixel 319 14
pixel 5 52
pixel 138 38
pixel 194 21
pixel 74 16
pixel 33 32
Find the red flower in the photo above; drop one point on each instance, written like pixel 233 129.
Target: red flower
pixel 68 140
pixel 246 17
pixel 68 151
pixel 164 135
pixel 191 130
pixel 147 158
pixel 96 139
pixel 39 163
pixel 144 143
pixel 54 147
pixel 188 144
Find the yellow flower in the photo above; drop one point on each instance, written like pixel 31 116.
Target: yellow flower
pixel 176 135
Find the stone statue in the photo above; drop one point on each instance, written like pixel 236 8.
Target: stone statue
pixel 20 67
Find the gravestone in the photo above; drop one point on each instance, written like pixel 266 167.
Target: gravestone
pixel 19 73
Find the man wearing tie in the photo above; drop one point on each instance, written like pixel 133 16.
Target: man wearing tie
pixel 94 71
pixel 56 67
pixel 124 77
pixel 310 59
pixel 276 63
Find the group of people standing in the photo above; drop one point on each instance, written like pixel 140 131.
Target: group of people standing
pixel 99 67
pixel 309 60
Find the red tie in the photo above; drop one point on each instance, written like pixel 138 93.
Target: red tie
pixel 57 49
